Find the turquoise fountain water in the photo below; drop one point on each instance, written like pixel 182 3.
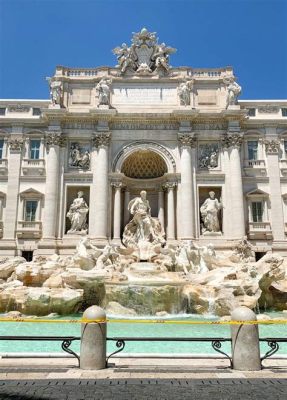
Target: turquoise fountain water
pixel 135 330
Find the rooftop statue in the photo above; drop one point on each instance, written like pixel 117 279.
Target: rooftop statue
pixel 145 55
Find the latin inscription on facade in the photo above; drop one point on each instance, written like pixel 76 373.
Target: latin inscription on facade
pixel 145 94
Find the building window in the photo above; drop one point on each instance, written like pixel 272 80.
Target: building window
pixel 251 112
pixel 30 210
pixel 35 149
pixel 284 112
pixel 1 148
pixel 257 211
pixel 2 111
pixel 36 111
pixel 252 146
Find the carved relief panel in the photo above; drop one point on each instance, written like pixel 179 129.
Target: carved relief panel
pixel 79 155
pixel 208 156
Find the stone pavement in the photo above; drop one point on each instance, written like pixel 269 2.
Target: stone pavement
pixel 136 379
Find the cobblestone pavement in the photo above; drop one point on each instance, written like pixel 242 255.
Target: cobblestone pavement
pixel 137 389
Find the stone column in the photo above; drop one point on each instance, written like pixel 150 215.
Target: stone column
pixel 127 216
pixel 101 186
pixel 53 142
pixel 277 218
pixel 117 210
pixel 187 142
pixel 227 202
pixel 16 145
pixel 234 141
pixel 170 228
pixel 161 206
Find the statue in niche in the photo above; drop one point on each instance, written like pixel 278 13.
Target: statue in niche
pixel 103 90
pixel 209 213
pixel 184 90
pixel 79 157
pixel 143 227
pixel 233 92
pixel 77 214
pixel 56 92
pixel 208 156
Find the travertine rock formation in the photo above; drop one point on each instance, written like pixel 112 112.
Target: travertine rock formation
pixel 179 278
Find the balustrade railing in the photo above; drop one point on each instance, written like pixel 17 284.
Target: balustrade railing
pixel 259 226
pixel 254 163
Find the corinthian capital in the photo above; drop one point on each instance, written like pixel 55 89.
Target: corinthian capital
pixel 232 140
pixel 272 146
pixel 55 139
pixel 102 139
pixel 169 185
pixel 16 144
pixel 186 139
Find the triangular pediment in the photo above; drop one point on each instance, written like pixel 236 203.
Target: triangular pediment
pixel 31 193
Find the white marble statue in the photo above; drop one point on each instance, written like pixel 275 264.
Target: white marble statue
pixel 56 92
pixel 233 92
pixel 244 250
pixel 126 57
pixel 142 228
pixel 184 93
pixel 145 55
pixel 209 213
pixel 77 214
pixel 103 90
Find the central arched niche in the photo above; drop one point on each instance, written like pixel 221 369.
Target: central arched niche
pixel 144 164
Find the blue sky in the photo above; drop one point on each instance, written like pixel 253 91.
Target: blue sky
pixel 37 35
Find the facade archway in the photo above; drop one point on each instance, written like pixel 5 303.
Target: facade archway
pixel 154 147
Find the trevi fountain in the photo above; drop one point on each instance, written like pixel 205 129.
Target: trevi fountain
pixel 144 275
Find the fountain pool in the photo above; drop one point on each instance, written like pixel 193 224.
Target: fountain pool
pixel 135 330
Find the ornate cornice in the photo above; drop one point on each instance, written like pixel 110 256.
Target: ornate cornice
pixel 186 139
pixel 16 144
pixel 232 140
pixel 272 146
pixel 101 139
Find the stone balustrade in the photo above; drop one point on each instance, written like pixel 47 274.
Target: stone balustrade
pixel 3 166
pixel 33 167
pixel 29 229
pixel 260 230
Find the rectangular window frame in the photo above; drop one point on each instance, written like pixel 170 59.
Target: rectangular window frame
pixel 2 143
pixel 36 214
pixel 252 153
pixel 257 216
pixel 34 152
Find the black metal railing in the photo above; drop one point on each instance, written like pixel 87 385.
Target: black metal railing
pixel 216 343
pixel 66 341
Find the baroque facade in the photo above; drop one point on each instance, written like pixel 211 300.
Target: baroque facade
pixel 214 167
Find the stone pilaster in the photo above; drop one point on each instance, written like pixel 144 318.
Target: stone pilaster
pixel 233 142
pixel 187 161
pixel 170 226
pixel 54 140
pixel 272 148
pixel 117 210
pixel 16 145
pixel 100 186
